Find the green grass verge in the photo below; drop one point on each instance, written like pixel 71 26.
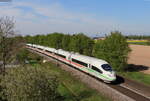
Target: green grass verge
pixel 140 43
pixel 137 76
pixel 70 87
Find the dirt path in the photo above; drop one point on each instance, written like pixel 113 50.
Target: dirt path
pixel 140 55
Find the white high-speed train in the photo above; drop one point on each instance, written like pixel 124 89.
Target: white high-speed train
pixel 93 66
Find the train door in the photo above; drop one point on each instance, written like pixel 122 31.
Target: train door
pixel 90 69
pixel 69 58
pixel 89 66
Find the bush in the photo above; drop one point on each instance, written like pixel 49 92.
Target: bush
pixel 113 49
pixel 24 55
pixel 148 43
pixel 30 84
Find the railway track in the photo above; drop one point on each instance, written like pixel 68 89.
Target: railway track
pixel 123 86
pixel 130 93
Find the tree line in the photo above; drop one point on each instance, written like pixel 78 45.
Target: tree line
pixel 113 49
pixel 138 37
pixel 77 43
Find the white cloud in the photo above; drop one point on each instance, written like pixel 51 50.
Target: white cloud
pixel 43 19
pixel 57 19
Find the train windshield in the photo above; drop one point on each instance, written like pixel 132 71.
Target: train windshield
pixel 107 67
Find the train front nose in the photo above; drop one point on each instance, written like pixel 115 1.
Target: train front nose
pixel 112 76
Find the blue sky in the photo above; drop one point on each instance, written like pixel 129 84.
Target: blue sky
pixel 72 16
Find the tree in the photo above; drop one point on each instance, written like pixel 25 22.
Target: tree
pixel 82 44
pixel 65 42
pixel 6 31
pixel 148 43
pixel 9 42
pixel 113 49
pixel 88 46
pixel 56 40
pixel 30 84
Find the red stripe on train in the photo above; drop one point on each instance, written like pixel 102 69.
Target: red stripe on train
pixel 56 56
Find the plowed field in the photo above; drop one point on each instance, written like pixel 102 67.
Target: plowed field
pixel 140 55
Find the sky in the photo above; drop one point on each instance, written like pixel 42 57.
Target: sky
pixel 92 17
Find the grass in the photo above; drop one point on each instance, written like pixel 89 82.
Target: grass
pixel 71 88
pixel 137 76
pixel 139 43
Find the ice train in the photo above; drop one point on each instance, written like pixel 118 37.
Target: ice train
pixel 93 66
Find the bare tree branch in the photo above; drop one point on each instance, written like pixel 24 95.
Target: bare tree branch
pixel 7 44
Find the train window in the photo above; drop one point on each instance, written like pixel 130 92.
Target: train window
pixel 79 62
pixel 39 48
pixel 96 69
pixel 107 67
pixel 48 51
pixel 60 55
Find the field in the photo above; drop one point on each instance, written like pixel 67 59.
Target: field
pixel 71 88
pixel 140 56
pixel 139 64
pixel 138 42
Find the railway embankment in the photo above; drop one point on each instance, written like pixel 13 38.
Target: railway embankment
pixel 137 87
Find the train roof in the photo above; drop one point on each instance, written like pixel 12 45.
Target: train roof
pixel 63 52
pixel 28 44
pixel 39 46
pixel 50 49
pixel 88 59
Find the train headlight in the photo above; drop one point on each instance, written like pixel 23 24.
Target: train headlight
pixel 109 75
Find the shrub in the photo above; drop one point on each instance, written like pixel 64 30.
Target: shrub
pixel 148 43
pixel 24 55
pixel 29 84
pixel 113 49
